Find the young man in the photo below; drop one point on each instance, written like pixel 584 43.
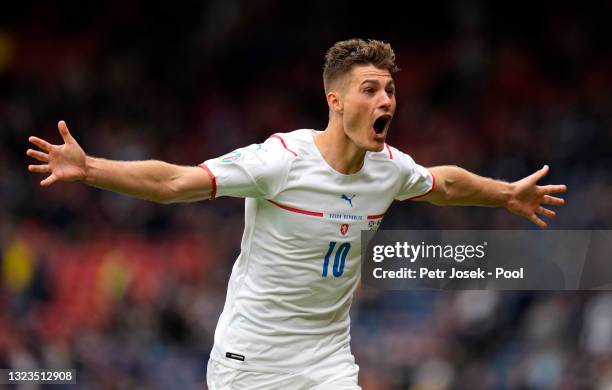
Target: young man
pixel 285 324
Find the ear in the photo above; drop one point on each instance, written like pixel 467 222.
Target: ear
pixel 335 102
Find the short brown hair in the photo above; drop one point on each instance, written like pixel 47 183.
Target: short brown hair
pixel 343 55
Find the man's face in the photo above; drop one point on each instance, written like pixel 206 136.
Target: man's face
pixel 369 103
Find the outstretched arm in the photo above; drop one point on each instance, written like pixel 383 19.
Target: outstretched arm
pixel 151 180
pixel 456 186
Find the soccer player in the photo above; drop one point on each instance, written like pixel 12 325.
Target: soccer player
pixel 285 323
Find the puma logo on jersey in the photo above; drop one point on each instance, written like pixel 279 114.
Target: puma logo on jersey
pixel 349 200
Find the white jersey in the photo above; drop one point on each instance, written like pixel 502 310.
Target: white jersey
pixel 291 288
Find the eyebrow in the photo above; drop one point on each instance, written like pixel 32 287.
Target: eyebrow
pixel 374 81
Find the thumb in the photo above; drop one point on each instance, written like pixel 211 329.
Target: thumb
pixel 537 175
pixel 64 132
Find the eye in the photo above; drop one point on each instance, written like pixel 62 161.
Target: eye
pixel 391 91
pixel 369 91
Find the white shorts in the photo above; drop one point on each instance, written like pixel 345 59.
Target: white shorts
pixel 335 373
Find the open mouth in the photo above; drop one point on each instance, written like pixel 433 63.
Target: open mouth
pixel 380 124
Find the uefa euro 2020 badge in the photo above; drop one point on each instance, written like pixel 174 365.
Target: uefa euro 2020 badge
pixel 230 158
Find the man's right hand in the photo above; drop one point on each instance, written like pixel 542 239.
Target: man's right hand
pixel 65 162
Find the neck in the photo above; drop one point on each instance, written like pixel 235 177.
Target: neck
pixel 338 150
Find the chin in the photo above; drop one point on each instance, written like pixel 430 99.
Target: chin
pixel 375 147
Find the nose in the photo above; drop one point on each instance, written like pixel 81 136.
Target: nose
pixel 385 101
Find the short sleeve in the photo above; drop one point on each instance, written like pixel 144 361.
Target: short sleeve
pixel 416 180
pixel 255 171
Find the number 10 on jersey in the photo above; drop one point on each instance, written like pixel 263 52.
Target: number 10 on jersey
pixel 339 258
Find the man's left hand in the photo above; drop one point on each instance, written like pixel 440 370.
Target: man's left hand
pixel 527 198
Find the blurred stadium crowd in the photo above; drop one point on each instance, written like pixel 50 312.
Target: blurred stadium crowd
pixel 128 292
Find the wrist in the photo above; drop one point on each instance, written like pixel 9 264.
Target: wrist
pixel 507 194
pixel 89 166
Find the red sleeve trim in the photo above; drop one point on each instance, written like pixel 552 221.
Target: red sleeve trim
pixel 379 216
pixel 389 149
pixel 284 144
pixel 433 186
pixel 213 179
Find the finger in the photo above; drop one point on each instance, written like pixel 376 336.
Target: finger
pixel 48 181
pixel 537 175
pixel 64 132
pixel 42 168
pixel 40 156
pixel 553 200
pixel 546 212
pixel 551 189
pixel 41 143
pixel 535 219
